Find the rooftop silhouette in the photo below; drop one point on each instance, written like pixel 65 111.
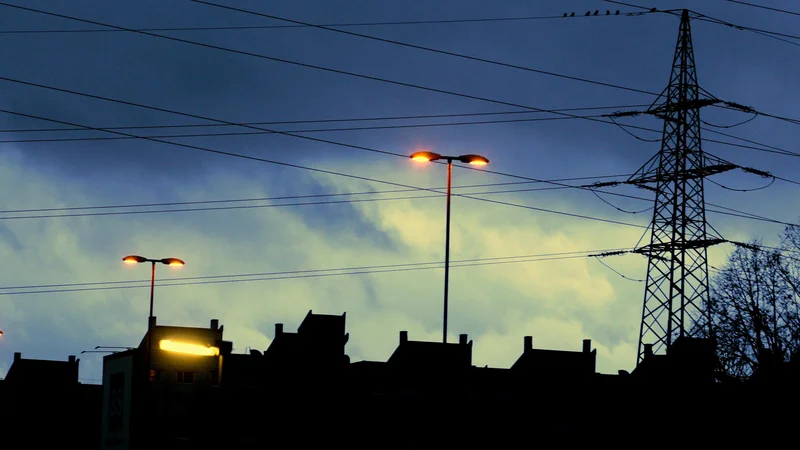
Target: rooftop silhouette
pixel 163 396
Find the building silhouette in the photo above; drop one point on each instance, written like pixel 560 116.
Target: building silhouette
pixel 183 387
pixel 162 392
pixel 42 405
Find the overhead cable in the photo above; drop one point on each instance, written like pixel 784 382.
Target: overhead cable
pixel 267 276
pixel 343 72
pixel 342 25
pixel 766 7
pixel 330 172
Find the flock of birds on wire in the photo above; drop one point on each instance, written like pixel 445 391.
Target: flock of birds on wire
pixel 596 12
pixel 589 13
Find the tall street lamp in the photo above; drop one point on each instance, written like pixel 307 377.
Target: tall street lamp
pixel 476 160
pixel 134 259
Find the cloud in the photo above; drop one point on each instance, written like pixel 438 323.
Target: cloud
pixel 281 239
pixel 560 302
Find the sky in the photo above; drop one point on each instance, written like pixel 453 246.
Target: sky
pixel 99 80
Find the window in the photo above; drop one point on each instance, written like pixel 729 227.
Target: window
pixel 186 377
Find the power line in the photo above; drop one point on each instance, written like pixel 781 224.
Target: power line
pixel 290 165
pixel 235 124
pixel 326 141
pixel 766 7
pixel 221 208
pixel 619 273
pixel 777 150
pixel 195 116
pixel 205 118
pixel 282 275
pixel 316 130
pixel 315 273
pixel 420 47
pixel 774 149
pixel 357 75
pixel 734 212
pixel 706 18
pixel 306 121
pixel 787 180
pixel 343 25
pixel 321 68
pixel 330 172
pixel 281 163
pixel 296 197
pixel 767 33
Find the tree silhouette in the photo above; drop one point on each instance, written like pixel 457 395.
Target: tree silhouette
pixel 754 309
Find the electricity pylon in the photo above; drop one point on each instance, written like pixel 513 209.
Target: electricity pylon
pixel 676 289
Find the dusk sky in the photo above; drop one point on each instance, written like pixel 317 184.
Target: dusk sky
pixel 160 82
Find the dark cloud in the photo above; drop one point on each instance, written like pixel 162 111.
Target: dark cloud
pixel 629 51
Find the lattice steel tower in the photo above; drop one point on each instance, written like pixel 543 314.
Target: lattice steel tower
pixel 677 274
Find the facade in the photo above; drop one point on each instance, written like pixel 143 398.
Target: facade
pixel 43 405
pixel 162 391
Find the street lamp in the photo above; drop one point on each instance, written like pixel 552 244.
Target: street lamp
pixel 134 259
pixel 476 160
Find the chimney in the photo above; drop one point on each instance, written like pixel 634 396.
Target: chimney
pixel 151 322
pixel 587 345
pixel 528 343
pixel 403 337
pixel 71 358
pixel 278 329
pixel 462 339
pixel 17 356
pixel 215 324
pixel 648 350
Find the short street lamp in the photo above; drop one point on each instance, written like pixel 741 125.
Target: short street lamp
pixel 476 160
pixel 134 259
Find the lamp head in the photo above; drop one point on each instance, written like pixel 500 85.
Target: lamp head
pixel 134 259
pixel 475 160
pixel 425 156
pixel 175 262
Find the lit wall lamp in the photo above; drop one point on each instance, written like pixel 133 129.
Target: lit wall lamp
pixel 187 348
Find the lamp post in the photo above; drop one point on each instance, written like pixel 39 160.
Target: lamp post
pixel 134 259
pixel 476 160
